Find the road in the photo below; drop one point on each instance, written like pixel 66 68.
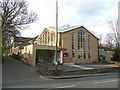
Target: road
pixel 16 74
pixel 110 81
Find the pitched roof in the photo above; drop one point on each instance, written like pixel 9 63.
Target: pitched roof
pixel 20 39
pixel 23 39
pixel 64 28
pixel 67 28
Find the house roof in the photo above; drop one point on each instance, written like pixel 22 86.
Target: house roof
pixel 64 28
pixel 60 29
pixel 67 28
pixel 23 39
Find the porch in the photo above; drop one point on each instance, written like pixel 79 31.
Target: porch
pixel 46 54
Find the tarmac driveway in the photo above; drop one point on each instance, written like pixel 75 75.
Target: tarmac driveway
pixel 13 69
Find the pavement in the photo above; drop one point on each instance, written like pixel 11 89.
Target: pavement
pixel 13 69
pixel 70 66
pixel 92 66
pixel 80 66
pixel 73 68
pixel 17 74
pixel 79 76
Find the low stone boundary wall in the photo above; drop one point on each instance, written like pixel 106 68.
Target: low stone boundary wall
pixel 83 72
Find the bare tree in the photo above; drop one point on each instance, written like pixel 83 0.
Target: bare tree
pixel 114 36
pixel 14 17
pixel 110 40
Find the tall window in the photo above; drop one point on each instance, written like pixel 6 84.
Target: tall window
pixel 81 44
pixel 48 38
pixel 40 41
pixel 73 44
pixel 52 38
pixel 88 46
pixel 45 37
pixel 43 40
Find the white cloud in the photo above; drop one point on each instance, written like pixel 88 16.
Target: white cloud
pixel 93 14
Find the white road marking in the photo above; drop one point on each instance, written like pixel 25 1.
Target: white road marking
pixel 105 81
pixel 66 86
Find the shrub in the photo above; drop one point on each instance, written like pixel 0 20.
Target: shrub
pixel 115 57
pixel 54 72
pixel 43 70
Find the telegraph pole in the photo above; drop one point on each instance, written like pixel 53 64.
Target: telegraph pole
pixel 56 62
pixel 119 29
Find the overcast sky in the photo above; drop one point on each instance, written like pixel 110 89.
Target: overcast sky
pixel 93 14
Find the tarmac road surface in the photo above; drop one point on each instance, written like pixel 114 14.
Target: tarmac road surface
pixel 16 74
pixel 110 81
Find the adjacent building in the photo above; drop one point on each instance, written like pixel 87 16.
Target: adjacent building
pixel 106 54
pixel 76 44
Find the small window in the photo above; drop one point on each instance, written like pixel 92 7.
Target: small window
pixel 88 55
pixel 78 56
pixel 73 53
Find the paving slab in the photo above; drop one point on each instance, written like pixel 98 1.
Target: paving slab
pixel 81 66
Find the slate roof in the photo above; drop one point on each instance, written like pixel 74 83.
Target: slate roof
pixel 23 39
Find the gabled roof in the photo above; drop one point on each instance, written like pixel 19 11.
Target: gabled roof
pixel 60 29
pixel 67 28
pixel 63 28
